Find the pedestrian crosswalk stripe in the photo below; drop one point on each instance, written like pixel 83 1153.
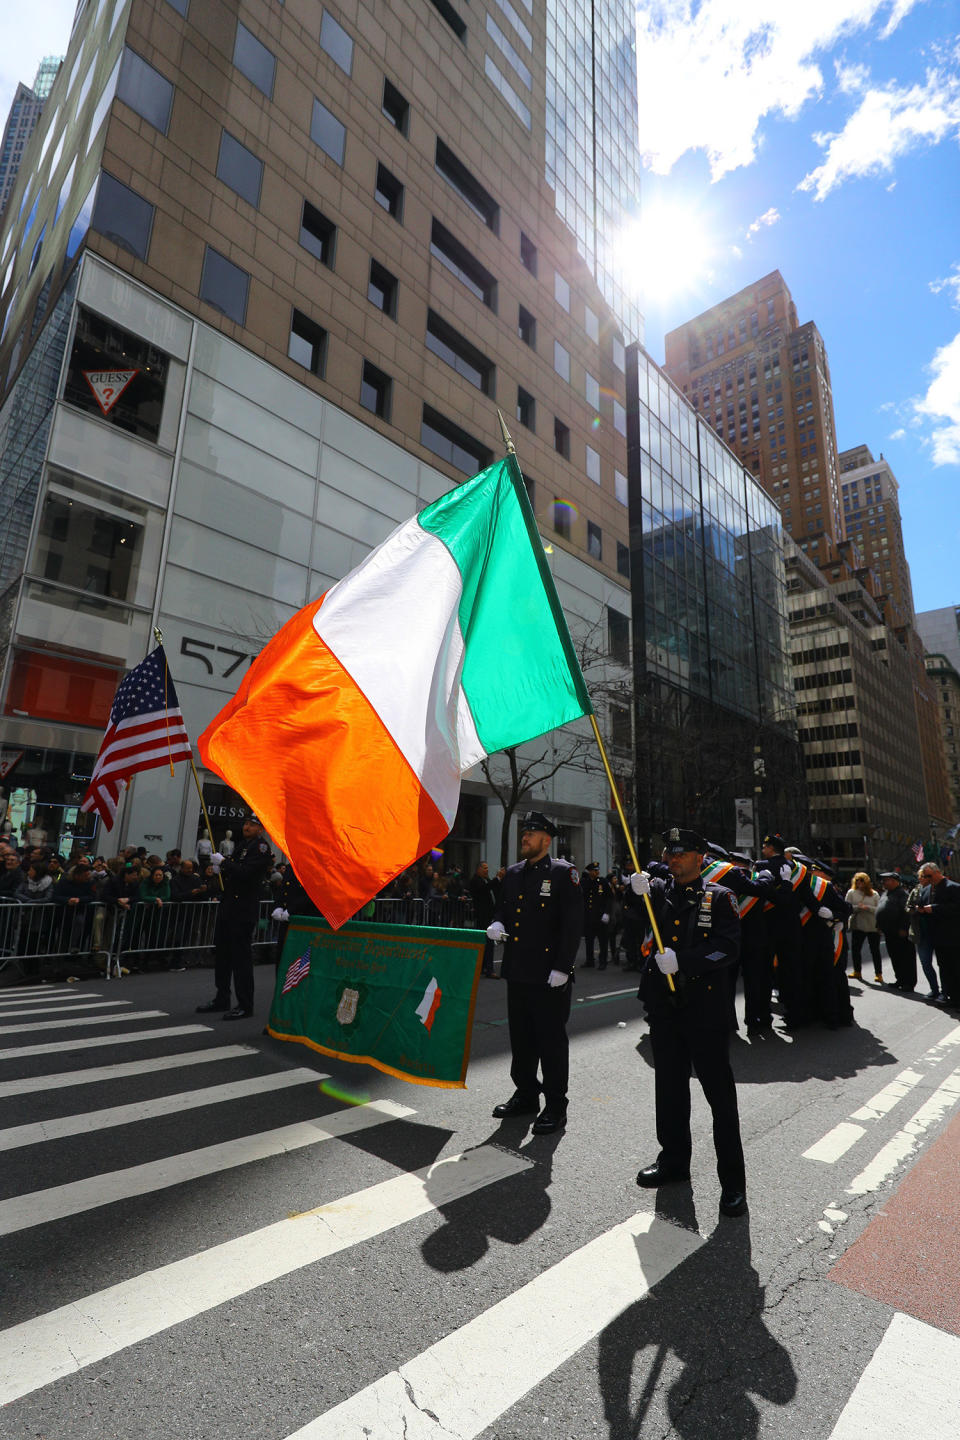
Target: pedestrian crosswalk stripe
pixel 17 990
pixel 83 1006
pixel 89 1121
pixel 909 1388
pixel 64 1341
pixel 70 1079
pixel 85 1020
pixel 11 1004
pixel 99 1042
pixel 21 1212
pixel 471 1377
pixel 835 1143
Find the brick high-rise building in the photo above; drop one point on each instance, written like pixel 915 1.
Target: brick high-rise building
pixel 316 246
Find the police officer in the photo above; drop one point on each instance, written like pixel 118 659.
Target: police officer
pixel 597 904
pixel 788 899
pixel 689 1025
pixel 734 871
pixel 243 875
pixel 539 919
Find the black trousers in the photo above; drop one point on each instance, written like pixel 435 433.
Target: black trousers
pixel 679 1050
pixel 903 958
pixel 599 933
pixel 789 976
pixel 872 938
pixel 756 963
pixel 537 1019
pixel 948 958
pixel 233 954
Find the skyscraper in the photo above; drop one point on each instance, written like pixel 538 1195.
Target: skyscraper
pixel 288 268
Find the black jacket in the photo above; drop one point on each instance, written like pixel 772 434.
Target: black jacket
pixel 701 923
pixel 892 917
pixel 244 874
pixel 945 916
pixel 541 908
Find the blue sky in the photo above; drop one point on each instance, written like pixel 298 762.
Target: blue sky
pixel 816 137
pixel 821 139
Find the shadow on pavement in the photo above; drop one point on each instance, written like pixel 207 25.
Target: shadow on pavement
pixel 510 1211
pixel 698 1343
pixel 812 1053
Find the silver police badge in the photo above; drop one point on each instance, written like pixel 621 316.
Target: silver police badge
pixel 347 1009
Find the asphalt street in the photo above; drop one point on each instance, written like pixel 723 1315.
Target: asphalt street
pixel 208 1233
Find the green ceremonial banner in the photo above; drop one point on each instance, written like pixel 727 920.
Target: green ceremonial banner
pixel 399 997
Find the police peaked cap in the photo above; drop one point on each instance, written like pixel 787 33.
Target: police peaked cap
pixel 536 820
pixel 776 842
pixel 741 858
pixel 594 865
pixel 827 869
pixel 677 841
pixel 251 819
pixel 717 851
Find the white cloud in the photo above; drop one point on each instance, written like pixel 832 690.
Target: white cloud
pixel 889 122
pixel 851 79
pixel 941 404
pixel 709 72
pixel 769 217
pixel 900 434
pixel 951 283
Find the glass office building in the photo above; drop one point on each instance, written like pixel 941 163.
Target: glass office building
pixel 716 719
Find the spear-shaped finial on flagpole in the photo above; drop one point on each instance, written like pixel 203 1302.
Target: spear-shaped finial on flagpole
pixel 511 449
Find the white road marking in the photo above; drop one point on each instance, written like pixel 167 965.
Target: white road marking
pixel 884 1100
pixel 21 1212
pixel 17 990
pixel 903 1144
pixel 81 1006
pixel 89 1121
pixel 98 1073
pixel 461 1385
pixel 49 1001
pixel 607 994
pixel 909 1387
pixel 93 1020
pixel 64 1341
pixel 835 1143
pixel 57 1047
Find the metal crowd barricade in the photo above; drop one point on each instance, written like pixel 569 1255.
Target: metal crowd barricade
pixel 178 928
pixel 451 914
pixel 34 935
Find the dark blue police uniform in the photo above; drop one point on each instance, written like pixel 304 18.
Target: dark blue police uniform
pixel 243 876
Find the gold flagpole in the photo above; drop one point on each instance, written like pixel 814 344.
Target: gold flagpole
pixel 511 449
pixel 158 634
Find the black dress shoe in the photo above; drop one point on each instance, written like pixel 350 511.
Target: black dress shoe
pixel 733 1203
pixel 516 1105
pixel 238 1013
pixel 212 1006
pixel 549 1121
pixel 656 1174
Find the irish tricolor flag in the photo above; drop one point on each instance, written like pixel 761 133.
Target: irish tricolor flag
pixel 351 730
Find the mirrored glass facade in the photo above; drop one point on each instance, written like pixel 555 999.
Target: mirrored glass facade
pixel 592 147
pixel 714 688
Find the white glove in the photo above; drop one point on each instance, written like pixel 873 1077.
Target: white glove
pixel 824 913
pixel 785 872
pixel 667 962
pixel 496 932
pixel 284 914
pixel 604 919
pixel 556 978
pixel 216 858
pixel 278 914
pixel 640 883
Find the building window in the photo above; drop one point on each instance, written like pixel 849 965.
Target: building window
pixel 561 438
pixel 619 418
pixel 389 193
pixel 528 253
pixel 444 8
pixel 619 354
pixel 618 635
pixel 145 90
pixel 621 731
pixel 395 107
pixel 254 60
pixel 561 361
pixel 444 438
pixel 456 174
pixel 561 291
pixel 336 42
pixel 239 168
pixel 620 488
pixel 526 408
pixel 224 285
pixel 447 249
pixel 562 515
pixel 327 132
pixel 623 559
pixel 594 541
pixel 527 328
pixel 122 216
pixel 375 390
pixel 591 388
pixel 318 234
pixel 105 357
pixel 591 323
pixel 382 289
pixel 446 342
pixel 593 465
pixel 179 5
pixel 308 343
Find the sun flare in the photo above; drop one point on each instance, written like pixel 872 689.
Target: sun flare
pixel 666 252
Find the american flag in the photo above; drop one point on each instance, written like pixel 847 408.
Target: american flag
pixel 146 729
pixel 297 971
pixel 917 849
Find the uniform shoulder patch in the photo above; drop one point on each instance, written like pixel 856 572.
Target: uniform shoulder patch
pixel 263 847
pixel 574 875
